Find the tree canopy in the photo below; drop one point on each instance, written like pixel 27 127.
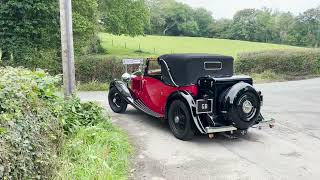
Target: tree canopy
pixel 169 17
pixel 119 17
pixel 30 33
pixel 30 30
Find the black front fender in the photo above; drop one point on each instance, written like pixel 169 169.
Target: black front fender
pixel 123 90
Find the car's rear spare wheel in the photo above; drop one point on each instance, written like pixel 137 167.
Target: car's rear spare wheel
pixel 116 102
pixel 180 121
pixel 241 106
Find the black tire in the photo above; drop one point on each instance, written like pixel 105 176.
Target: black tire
pixel 237 114
pixel 116 102
pixel 180 120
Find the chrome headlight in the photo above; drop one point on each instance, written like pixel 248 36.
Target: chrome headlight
pixel 126 77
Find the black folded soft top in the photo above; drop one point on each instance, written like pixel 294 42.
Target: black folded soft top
pixel 186 69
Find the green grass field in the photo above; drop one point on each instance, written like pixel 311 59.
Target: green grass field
pixel 125 46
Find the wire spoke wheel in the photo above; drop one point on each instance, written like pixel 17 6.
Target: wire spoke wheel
pixel 116 102
pixel 180 121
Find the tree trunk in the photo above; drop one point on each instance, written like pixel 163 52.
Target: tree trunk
pixel 165 31
pixel 168 27
pixel 5 57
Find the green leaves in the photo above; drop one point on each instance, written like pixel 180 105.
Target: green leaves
pixel 290 62
pixel 30 32
pixel 75 114
pixel 124 16
pixel 29 128
pixel 34 122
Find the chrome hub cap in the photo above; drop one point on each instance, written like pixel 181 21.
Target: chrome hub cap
pixel 247 107
pixel 115 99
pixel 176 119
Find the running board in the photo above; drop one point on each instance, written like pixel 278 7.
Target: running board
pixel 141 106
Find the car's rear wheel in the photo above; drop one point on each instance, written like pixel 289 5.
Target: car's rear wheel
pixel 180 121
pixel 116 102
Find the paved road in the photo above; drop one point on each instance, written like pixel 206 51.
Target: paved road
pixel 289 151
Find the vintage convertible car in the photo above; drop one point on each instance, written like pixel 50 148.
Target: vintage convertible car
pixel 193 92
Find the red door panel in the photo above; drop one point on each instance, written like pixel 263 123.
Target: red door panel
pixel 154 93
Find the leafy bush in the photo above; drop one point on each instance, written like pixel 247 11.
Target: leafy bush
pixel 98 68
pixel 32 122
pixel 30 129
pixel 76 114
pixel 295 62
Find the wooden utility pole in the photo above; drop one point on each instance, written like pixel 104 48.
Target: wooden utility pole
pixel 67 47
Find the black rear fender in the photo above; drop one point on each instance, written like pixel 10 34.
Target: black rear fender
pixel 187 98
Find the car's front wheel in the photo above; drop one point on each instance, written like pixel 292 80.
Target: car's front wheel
pixel 180 120
pixel 116 102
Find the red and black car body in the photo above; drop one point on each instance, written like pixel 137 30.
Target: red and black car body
pixel 193 92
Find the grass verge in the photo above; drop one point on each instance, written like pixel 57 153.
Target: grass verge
pixel 93 86
pixel 270 76
pixel 97 152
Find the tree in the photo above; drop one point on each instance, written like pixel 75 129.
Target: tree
pixel 124 16
pixel 204 20
pixel 169 17
pixel 158 14
pixel 221 29
pixel 26 25
pixel 244 25
pixel 85 25
pixel 265 22
pixel 284 24
pixel 309 24
pixel 30 33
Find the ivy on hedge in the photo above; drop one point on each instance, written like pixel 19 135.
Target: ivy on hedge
pixel 34 122
pixel 31 131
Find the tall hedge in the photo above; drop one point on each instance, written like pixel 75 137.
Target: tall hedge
pixel 292 62
pixel 30 130
pixel 98 68
pixel 34 122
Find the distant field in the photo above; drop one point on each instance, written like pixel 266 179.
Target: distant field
pixel 157 45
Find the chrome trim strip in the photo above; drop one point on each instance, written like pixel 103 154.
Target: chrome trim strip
pixel 169 73
pixel 139 105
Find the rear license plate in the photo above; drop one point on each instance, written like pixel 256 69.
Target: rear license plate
pixel 204 106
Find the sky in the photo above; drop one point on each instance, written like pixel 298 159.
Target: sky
pixel 227 8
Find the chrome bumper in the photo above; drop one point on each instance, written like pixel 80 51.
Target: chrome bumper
pixel 265 123
pixel 210 130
